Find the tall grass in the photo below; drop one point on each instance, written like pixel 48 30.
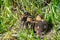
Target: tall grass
pixel 10 11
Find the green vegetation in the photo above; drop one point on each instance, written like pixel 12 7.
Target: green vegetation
pixel 11 10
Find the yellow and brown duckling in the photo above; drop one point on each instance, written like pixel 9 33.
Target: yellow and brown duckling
pixel 29 23
pixel 40 25
pixel 24 18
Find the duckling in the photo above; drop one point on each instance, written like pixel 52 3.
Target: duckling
pixel 24 18
pixel 29 23
pixel 40 26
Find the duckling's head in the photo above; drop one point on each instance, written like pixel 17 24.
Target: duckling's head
pixel 38 18
pixel 29 19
